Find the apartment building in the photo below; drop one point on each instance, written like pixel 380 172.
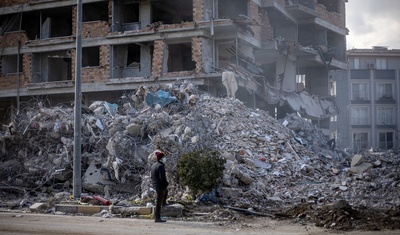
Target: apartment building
pixel 368 96
pixel 281 51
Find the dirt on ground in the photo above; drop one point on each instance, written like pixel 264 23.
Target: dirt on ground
pixel 337 217
pixel 29 223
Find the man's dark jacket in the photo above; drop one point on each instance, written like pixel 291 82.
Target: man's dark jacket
pixel 158 177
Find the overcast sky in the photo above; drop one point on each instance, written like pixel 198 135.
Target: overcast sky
pixel 373 23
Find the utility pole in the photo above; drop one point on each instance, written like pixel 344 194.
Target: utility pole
pixel 77 175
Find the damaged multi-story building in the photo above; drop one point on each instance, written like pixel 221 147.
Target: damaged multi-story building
pixel 368 96
pixel 282 51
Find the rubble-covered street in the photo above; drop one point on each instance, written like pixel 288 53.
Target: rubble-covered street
pixel 276 168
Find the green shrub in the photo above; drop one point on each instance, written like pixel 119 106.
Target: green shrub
pixel 201 171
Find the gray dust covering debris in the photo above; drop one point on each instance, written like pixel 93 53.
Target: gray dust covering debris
pixel 276 168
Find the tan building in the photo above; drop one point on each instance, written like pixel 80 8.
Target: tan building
pixel 368 96
pixel 281 50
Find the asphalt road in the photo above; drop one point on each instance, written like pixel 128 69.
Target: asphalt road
pixel 27 224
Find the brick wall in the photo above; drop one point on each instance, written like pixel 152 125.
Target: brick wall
pixel 267 32
pixel 95 29
pixel 11 39
pixel 91 30
pixel 177 26
pixel 332 17
pixel 94 74
pixel 253 11
pixel 197 54
pixel 110 8
pixel 7 3
pixel 157 58
pixel 27 68
pixel 198 10
pixel 74 23
pixel 9 81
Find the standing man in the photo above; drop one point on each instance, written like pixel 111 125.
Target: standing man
pixel 160 184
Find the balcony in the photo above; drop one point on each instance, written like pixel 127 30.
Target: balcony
pixel 360 101
pixel 301 9
pixel 312 57
pixel 385 74
pixel 385 99
pixel 360 74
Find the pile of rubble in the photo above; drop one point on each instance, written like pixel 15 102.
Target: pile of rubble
pixel 271 165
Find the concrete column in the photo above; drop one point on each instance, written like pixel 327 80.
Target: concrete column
pixel 373 142
pixel 145 13
pixel 145 61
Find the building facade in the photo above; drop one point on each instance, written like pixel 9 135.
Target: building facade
pixel 369 100
pixel 280 50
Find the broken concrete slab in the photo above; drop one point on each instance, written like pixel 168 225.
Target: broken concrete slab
pixel 134 210
pixel 38 207
pixel 357 160
pixel 360 168
pixel 174 210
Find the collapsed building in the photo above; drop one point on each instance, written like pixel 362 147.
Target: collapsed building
pixel 280 51
pixel 274 56
pixel 273 167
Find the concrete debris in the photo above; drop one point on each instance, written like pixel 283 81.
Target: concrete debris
pixel 311 106
pixel 357 160
pixel 38 207
pixel 271 164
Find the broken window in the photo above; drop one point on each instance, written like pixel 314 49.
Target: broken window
pixel 359 91
pixel 330 5
pixel 9 64
pixel 385 140
pixel 332 89
pixel 48 23
pixel 180 57
pixel 126 15
pixel 172 11
pixel 59 69
pixel 126 60
pixel 360 140
pixel 51 66
pixel 385 116
pixel 97 11
pixel 359 116
pixel 300 81
pixel 130 12
pixel 384 91
pixel 232 8
pixel 9 23
pixel 90 56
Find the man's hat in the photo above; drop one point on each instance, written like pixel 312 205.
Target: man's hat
pixel 159 155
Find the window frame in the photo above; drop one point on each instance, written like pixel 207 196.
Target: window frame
pixel 363 140
pixel 358 120
pixel 381 95
pixel 353 85
pixel 381 63
pixel 385 144
pixel 356 63
pixel 383 111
